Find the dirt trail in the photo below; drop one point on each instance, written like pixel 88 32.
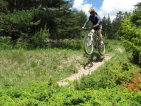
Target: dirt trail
pixel 85 71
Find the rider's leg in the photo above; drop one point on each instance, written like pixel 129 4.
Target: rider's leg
pixel 100 34
pixel 92 30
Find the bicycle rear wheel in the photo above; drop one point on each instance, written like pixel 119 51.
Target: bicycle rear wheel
pixel 88 45
pixel 101 48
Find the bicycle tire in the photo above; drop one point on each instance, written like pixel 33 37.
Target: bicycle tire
pixel 88 45
pixel 101 48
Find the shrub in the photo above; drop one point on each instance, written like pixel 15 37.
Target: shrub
pixel 110 76
pixel 39 38
pixel 33 95
pixel 131 33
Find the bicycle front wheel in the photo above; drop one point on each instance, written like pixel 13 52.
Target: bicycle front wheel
pixel 101 49
pixel 88 45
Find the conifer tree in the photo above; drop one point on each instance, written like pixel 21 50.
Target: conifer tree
pixel 108 28
pixel 25 18
pixel 116 24
pixel 104 25
pixel 131 31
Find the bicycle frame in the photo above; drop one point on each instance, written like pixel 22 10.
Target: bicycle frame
pixel 94 37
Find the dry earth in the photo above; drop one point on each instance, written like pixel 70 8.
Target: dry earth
pixel 92 66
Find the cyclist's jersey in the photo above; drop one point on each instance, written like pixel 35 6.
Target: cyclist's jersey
pixel 95 20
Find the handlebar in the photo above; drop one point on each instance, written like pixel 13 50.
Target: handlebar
pixel 87 28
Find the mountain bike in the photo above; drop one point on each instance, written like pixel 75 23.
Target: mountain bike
pixel 92 42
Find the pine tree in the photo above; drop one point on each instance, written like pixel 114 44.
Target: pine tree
pixel 104 25
pixel 116 24
pixel 25 18
pixel 108 28
pixel 131 31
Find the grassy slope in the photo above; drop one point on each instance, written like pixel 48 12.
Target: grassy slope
pixel 102 88
pixel 19 67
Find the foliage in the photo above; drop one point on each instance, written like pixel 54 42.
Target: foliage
pixel 108 77
pixel 68 24
pixel 101 88
pixel 131 34
pixel 111 27
pixel 28 78
pixel 90 97
pixel 116 25
pixel 32 21
pixel 72 44
pixel 38 39
pixel 5 43
pixel 19 23
pixel 28 4
pixel 108 28
pixel 25 19
pixel 33 95
pixel 3 6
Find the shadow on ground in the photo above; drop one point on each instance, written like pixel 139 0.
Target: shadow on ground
pixel 94 58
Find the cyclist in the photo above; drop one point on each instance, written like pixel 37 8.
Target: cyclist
pixel 95 19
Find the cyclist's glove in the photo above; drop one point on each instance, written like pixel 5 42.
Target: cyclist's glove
pixel 83 27
pixel 95 25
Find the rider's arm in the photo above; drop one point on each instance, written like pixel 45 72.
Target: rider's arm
pixel 85 24
pixel 98 23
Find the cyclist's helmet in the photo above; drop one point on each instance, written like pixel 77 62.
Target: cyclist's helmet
pixel 92 10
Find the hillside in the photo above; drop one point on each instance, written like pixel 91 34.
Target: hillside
pixel 28 77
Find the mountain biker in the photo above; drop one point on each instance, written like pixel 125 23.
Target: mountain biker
pixel 95 19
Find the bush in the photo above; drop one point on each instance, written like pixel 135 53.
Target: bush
pixel 110 76
pixel 74 44
pixel 34 95
pixel 131 33
pixel 39 38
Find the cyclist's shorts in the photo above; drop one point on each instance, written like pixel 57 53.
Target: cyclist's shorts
pixel 98 27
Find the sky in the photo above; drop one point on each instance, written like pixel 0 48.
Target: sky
pixel 105 7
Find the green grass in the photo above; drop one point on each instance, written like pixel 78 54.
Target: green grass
pixel 27 77
pixel 18 67
pixel 21 66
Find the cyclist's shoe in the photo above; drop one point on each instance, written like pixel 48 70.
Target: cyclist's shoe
pixel 101 42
